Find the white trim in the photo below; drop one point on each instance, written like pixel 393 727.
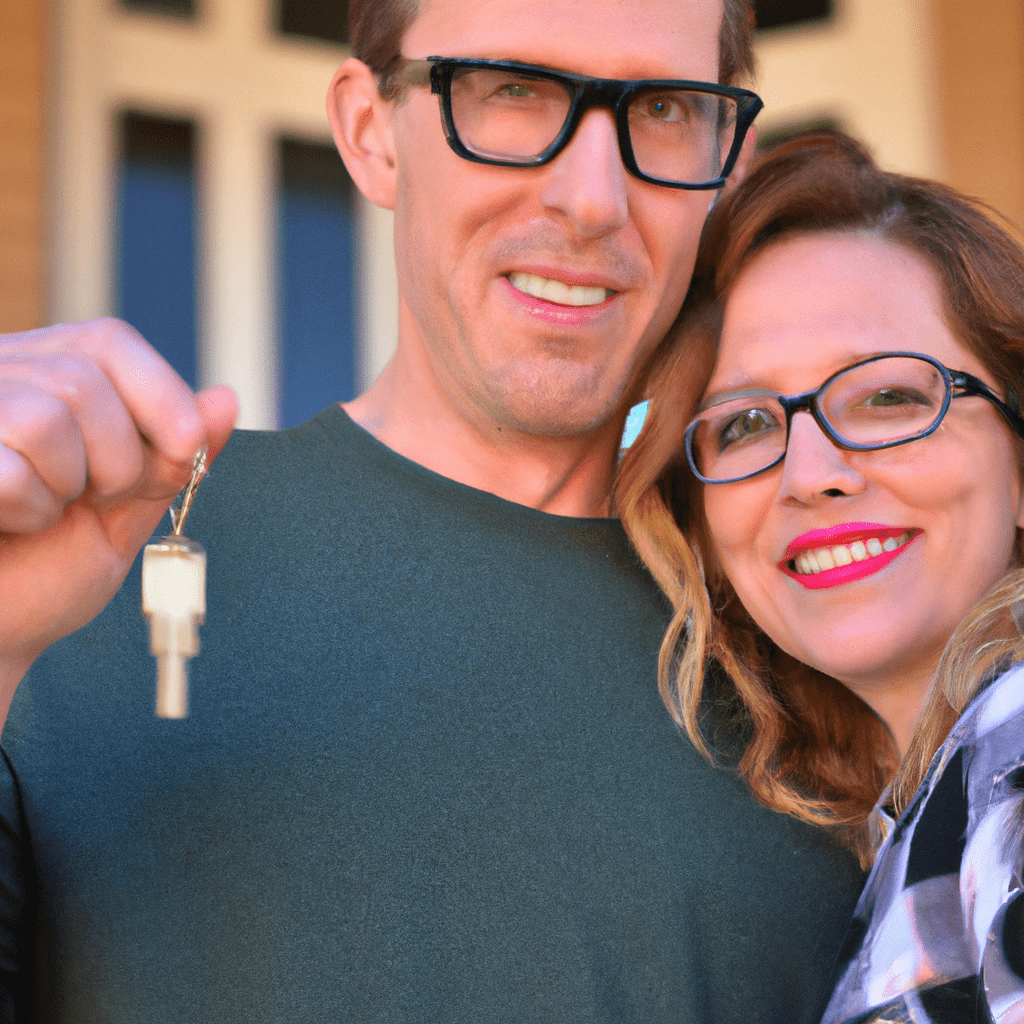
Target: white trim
pixel 378 291
pixel 237 325
pixel 82 166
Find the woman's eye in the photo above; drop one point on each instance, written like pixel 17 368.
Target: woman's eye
pixel 891 396
pixel 514 90
pixel 749 425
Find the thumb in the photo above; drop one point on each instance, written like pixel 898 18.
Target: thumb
pixel 218 407
pixel 129 523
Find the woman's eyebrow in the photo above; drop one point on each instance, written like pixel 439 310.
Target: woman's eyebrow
pixel 737 389
pixel 721 397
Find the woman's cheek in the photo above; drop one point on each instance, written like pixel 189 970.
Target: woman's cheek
pixel 736 515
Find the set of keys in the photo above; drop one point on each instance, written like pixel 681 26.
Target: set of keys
pixel 174 602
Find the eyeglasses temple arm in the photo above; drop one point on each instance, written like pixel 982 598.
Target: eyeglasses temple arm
pixel 970 385
pixel 411 72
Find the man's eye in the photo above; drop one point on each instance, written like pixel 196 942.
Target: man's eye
pixel 514 90
pixel 666 107
pixel 749 425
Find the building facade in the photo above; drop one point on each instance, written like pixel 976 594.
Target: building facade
pixel 170 161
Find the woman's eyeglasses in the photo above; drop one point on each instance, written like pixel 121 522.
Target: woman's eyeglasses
pixel 887 400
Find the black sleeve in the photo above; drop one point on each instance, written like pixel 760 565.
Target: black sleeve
pixel 15 917
pixel 1013 936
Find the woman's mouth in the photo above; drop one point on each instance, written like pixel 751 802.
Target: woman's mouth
pixel 830 558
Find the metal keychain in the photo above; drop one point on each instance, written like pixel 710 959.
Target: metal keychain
pixel 174 602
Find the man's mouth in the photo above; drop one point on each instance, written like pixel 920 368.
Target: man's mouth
pixel 817 560
pixel 559 292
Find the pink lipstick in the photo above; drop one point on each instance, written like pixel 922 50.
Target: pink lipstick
pixel 842 554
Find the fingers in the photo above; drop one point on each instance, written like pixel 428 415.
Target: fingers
pixel 59 406
pixel 218 407
pixel 97 435
pixel 26 503
pixel 93 408
pixel 42 456
pixel 161 405
pixel 164 477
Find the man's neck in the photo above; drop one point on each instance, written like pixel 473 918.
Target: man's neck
pixel 569 476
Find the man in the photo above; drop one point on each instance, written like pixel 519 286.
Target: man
pixel 426 776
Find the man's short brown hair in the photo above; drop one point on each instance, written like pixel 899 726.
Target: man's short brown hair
pixel 378 26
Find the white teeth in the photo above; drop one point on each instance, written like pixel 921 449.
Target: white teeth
pixel 557 291
pixel 841 555
pixel 810 563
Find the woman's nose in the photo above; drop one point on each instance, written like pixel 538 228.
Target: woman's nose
pixel 814 467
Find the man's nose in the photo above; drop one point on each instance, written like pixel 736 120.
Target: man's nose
pixel 587 182
pixel 814 468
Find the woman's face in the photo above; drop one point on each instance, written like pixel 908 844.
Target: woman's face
pixel 803 309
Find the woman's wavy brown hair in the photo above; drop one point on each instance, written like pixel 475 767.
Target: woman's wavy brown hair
pixel 810 747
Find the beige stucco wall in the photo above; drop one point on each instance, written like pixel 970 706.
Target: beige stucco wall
pixel 934 87
pixel 872 70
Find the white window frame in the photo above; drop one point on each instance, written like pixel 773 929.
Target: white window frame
pixel 244 86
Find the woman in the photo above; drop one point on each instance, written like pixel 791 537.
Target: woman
pixel 840 533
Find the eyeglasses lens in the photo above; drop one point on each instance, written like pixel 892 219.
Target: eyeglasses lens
pixel 739 437
pixel 888 400
pixel 677 135
pixel 507 115
pixel 876 404
pixel 680 135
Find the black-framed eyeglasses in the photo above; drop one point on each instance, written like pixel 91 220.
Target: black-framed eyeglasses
pixel 671 132
pixel 890 399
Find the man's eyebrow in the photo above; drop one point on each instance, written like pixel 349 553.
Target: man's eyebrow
pixel 528 65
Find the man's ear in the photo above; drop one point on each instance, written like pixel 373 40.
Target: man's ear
pixel 361 124
pixel 742 161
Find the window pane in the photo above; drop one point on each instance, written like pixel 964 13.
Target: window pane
pixel 776 13
pixel 316 280
pixel 156 235
pixel 326 20
pixel 174 8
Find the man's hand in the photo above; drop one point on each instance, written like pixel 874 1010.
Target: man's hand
pixel 97 436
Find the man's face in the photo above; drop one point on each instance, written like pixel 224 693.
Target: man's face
pixel 534 293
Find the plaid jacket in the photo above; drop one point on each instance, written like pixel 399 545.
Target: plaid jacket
pixel 938 934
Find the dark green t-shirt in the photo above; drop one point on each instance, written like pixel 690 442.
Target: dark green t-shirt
pixel 426 778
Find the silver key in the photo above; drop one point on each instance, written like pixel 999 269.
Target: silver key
pixel 174 602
